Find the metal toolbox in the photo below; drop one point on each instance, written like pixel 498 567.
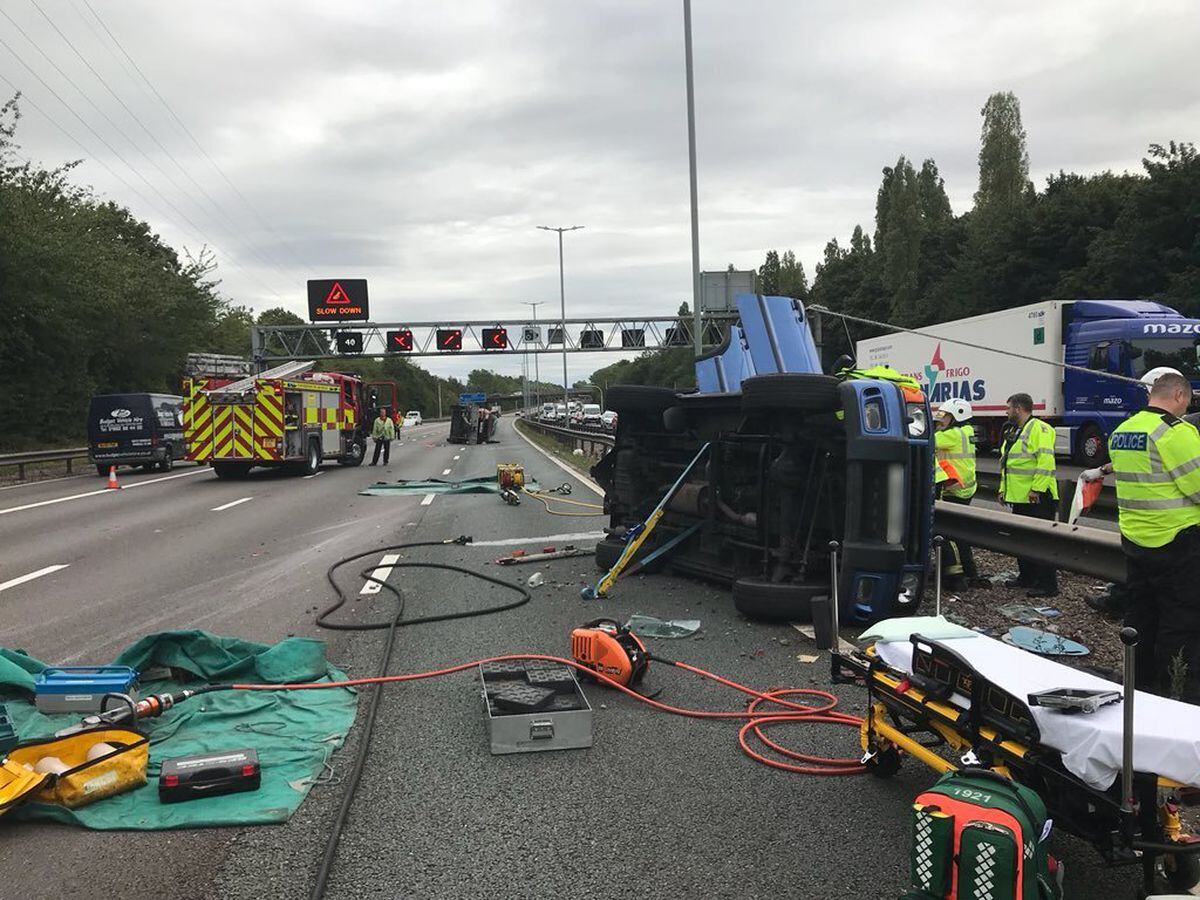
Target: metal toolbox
pixel 534 705
pixel 66 689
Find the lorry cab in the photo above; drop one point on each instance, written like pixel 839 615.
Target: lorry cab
pixel 135 430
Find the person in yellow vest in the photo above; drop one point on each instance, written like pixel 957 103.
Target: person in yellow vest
pixel 1029 486
pixel 954 442
pixel 1156 459
pixel 383 432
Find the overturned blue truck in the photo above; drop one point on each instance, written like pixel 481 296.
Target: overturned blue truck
pixel 797 459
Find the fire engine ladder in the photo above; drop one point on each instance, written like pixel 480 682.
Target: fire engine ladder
pixel 245 385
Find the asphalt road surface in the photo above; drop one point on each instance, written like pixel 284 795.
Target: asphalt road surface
pixel 660 806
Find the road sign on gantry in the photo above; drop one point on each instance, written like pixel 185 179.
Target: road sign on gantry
pixel 400 341
pixel 349 341
pixel 337 299
pixel 449 338
pixel 495 338
pixel 531 334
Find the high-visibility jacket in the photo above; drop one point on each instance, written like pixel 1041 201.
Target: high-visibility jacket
pixel 384 430
pixel 1027 463
pixel 1156 460
pixel 956 445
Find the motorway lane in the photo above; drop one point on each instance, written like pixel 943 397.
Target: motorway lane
pixel 659 805
pixel 157 558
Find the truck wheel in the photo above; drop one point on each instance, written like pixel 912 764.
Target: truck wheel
pixel 312 460
pixel 794 391
pixel 354 454
pixel 1091 450
pixel 768 601
pixel 639 398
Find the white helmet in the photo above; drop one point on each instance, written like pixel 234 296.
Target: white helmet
pixel 957 409
pixel 1156 373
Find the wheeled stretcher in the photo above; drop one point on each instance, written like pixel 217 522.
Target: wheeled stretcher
pixel 1115 784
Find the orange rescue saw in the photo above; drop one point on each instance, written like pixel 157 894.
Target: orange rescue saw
pixel 608 647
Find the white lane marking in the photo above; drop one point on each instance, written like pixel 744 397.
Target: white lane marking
pixel 314 474
pixel 544 539
pixel 231 504
pixel 456 457
pixel 128 487
pixel 428 499
pixel 382 571
pixel 582 479
pixel 49 570
pixel 445 471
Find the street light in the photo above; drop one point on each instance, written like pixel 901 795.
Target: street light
pixel 537 377
pixel 691 123
pixel 562 296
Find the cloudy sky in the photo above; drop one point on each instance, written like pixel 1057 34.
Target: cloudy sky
pixel 419 144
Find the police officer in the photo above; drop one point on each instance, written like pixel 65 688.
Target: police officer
pixel 954 442
pixel 1156 459
pixel 1028 485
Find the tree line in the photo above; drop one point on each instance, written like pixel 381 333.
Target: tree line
pixel 1097 235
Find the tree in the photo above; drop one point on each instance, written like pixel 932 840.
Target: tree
pixel 768 275
pixel 315 342
pixel 931 196
pixel 1003 159
pixel 792 280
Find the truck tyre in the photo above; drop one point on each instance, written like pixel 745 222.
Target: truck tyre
pixel 354 454
pixel 639 398
pixel 800 392
pixel 1091 450
pixel 228 470
pixel 312 459
pixel 608 551
pixel 767 601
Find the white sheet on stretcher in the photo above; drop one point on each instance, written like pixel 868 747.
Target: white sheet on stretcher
pixel 1166 732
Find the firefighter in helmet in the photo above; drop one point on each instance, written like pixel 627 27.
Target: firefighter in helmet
pixel 954 442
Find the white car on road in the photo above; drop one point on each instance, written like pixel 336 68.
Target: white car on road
pixel 412 417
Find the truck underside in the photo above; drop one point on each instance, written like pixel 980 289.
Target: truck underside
pixel 782 479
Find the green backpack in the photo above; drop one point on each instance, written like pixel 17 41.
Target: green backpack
pixel 978 835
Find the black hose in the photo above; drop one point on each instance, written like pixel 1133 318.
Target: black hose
pixel 397 621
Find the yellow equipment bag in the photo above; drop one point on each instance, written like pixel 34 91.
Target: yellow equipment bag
pixel 510 476
pixel 119 767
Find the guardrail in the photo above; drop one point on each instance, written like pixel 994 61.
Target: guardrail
pixel 987 475
pixel 593 443
pixel 21 460
pixel 1077 548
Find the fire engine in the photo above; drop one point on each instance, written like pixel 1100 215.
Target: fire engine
pixel 289 416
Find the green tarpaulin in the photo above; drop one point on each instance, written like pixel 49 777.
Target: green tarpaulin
pixel 293 732
pixel 486 484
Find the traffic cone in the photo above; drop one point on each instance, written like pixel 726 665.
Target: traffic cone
pixel 112 479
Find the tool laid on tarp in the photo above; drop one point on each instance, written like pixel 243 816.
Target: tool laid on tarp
pixel 293 736
pixel 208 775
pixel 546 554
pixel 636 536
pixel 81 688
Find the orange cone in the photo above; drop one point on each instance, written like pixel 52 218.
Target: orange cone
pixel 112 479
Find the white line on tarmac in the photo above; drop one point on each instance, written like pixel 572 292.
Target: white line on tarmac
pixel 428 499
pixel 382 571
pixel 231 503
pixel 582 479
pixel 315 474
pixel 128 487
pixel 456 457
pixel 49 570
pixel 544 539
pixel 445 471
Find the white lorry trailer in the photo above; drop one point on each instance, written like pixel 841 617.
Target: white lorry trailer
pixel 1107 337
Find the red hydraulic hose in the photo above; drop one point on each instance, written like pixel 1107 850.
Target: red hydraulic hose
pixel 756 720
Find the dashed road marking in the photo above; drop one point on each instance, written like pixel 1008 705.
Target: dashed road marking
pixel 428 499
pixel 49 570
pixel 232 503
pixel 382 571
pixel 445 471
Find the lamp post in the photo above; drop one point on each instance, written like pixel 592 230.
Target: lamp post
pixel 537 376
pixel 562 296
pixel 698 338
